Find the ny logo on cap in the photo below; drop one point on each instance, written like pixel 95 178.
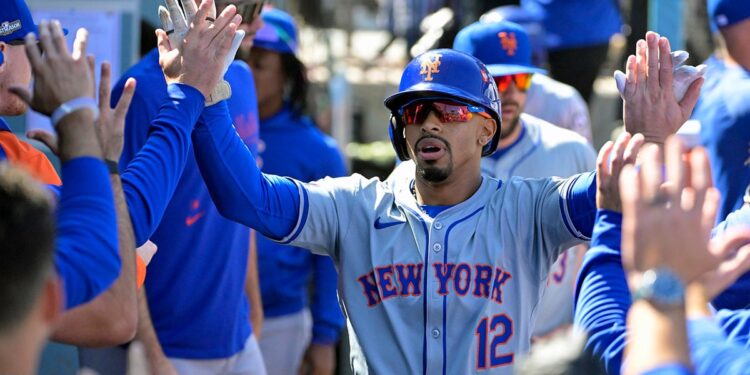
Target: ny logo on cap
pixel 430 66
pixel 509 42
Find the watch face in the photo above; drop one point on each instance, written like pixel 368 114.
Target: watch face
pixel 667 288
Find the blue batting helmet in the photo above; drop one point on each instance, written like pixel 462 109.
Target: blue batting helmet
pixel 449 74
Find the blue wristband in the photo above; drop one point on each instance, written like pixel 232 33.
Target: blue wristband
pixel 74 105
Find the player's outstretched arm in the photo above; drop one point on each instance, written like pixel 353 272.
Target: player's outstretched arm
pixel 269 204
pixel 86 250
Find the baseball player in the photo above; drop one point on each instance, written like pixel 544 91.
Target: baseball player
pixel 439 273
pixel 548 99
pixel 528 147
pixel 294 328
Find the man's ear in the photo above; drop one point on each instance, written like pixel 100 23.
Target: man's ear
pixel 488 129
pixel 52 299
pixel 3 47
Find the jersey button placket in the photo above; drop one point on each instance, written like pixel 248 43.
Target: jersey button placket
pixel 435 333
pixel 436 247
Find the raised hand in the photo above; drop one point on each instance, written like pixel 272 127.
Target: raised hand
pixel 609 164
pixel 59 76
pixel 669 225
pixel 178 24
pixel 650 106
pixel 684 75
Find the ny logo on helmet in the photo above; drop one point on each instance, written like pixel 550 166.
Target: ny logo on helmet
pixel 508 42
pixel 430 66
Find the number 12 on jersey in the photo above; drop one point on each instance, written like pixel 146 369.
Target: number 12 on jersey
pixel 501 327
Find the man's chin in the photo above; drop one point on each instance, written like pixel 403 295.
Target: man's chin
pixel 431 172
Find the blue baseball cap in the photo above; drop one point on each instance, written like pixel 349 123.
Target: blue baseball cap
pixel 15 21
pixel 279 32
pixel 725 13
pixel 503 46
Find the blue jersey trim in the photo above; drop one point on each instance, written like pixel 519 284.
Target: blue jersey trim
pixel 445 300
pixel 302 219
pixel 564 211
pixel 502 151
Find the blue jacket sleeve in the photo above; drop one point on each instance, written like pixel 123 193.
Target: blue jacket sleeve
pixel 86 256
pixel 712 353
pixel 327 317
pixel 736 325
pixel 266 203
pixel 602 297
pixel 151 175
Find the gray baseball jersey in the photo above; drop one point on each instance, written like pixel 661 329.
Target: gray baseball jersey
pixel 542 150
pixel 451 295
pixel 558 103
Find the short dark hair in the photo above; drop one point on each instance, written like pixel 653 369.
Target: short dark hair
pixel 27 235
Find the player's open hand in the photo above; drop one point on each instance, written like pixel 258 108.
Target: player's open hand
pixel 59 76
pixel 669 224
pixel 650 106
pixel 613 156
pixel 110 126
pixel 199 59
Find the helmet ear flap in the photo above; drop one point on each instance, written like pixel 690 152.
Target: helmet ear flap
pixel 396 132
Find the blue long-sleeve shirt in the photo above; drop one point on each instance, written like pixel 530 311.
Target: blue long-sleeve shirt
pixel 603 300
pixel 195 284
pixel 86 256
pixel 285 271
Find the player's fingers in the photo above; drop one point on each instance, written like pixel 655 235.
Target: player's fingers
pixel 178 18
pixel 166 20
pixel 675 165
pixel 80 44
pixel 162 42
pixel 652 60
pixel 700 174
pixel 58 37
pixel 630 190
pixel 225 37
pixel 710 209
pixel 105 82
pixel 32 51
pixel 204 10
pixel 726 244
pixel 634 147
pixel 45 39
pixel 602 161
pixel 49 139
pixel 651 176
pixel 190 10
pixel 640 61
pixel 665 66
pixel 618 151
pixel 91 64
pixel 631 74
pixel 687 104
pixel 227 16
pixel 121 109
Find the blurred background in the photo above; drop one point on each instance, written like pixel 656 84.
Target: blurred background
pixel 355 51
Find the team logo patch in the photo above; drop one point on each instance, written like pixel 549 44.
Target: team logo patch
pixel 508 42
pixel 9 27
pixel 430 66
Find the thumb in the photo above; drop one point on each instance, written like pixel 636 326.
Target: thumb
pixel 49 139
pixel 162 42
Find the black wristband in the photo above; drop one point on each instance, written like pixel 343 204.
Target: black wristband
pixel 112 166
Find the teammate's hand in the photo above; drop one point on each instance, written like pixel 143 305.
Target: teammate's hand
pixel 733 249
pixel 650 106
pixel 319 360
pixel 176 22
pixel 110 126
pixel 669 225
pixel 58 75
pixel 684 75
pixel 609 164
pixel 199 60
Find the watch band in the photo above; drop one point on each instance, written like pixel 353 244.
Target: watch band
pixel 72 106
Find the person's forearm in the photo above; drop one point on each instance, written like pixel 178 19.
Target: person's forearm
pixel 111 318
pixel 158 361
pixel 580 205
pixel 86 255
pixel 252 288
pixel 656 337
pixel 269 204
pixel 151 177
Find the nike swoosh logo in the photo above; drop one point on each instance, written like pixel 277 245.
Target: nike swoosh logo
pixel 190 220
pixel 379 225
